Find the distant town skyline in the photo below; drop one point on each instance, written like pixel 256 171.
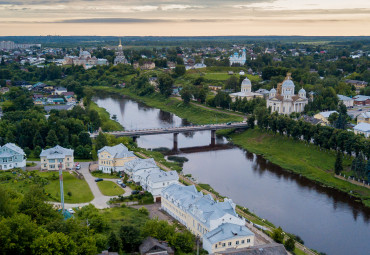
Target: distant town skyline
pixel 185 17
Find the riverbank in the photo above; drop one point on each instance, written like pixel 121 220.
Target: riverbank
pixel 190 112
pixel 296 156
pixel 107 123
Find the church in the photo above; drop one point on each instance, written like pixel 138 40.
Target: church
pixel 246 91
pixel 284 101
pixel 238 59
pixel 120 58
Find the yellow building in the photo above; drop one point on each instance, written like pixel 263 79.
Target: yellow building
pixel 217 223
pixel 363 118
pixel 53 157
pixel 324 116
pixel 113 158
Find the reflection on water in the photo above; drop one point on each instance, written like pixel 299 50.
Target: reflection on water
pixel 327 220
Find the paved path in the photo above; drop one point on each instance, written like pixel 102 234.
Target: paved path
pixel 100 201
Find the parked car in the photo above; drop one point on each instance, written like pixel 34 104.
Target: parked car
pixel 70 210
pixel 98 180
pixel 123 185
pixel 78 166
pixel 135 192
pixel 119 182
pixel 229 123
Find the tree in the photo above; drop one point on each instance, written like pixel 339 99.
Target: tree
pixel 183 241
pixel 130 238
pixel 7 206
pixel 338 163
pixel 114 242
pixel 232 83
pixel 84 138
pixel 186 95
pixel 51 138
pixel 290 244
pixel 165 85
pixel 251 120
pixel 101 141
pixel 278 235
pixel 180 70
pixel 53 244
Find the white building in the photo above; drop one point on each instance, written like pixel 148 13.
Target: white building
pixel 362 128
pixel 206 218
pixel 113 158
pixel 12 156
pixel 156 182
pixel 139 165
pixel 347 101
pixel 51 158
pixel 120 57
pixel 284 101
pixel 246 91
pixel 238 59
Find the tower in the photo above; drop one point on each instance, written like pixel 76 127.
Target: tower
pixel 61 186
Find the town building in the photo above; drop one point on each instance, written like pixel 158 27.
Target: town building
pixel 120 57
pixel 113 158
pixel 139 165
pixel 12 156
pixel 284 101
pixel 361 100
pixel 363 118
pixel 357 84
pixel 362 128
pixel 246 91
pixel 324 117
pixel 237 59
pixel 156 182
pixel 51 158
pixel 347 101
pixel 151 246
pixel 264 249
pixel 145 65
pixel 205 217
pixel 59 91
pixel 84 59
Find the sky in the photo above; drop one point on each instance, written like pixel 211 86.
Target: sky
pixel 185 17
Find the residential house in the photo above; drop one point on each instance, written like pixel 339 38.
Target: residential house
pixel 151 246
pixel 59 107
pixel 155 182
pixel 113 158
pixel 145 65
pixel 361 100
pixel 70 97
pixel 324 116
pixel 51 158
pixel 138 165
pixel 202 215
pixel 55 99
pixel 362 128
pixel 12 156
pixel 4 90
pixel 264 249
pixel 363 118
pixel 59 91
pixel 358 84
pixel 347 101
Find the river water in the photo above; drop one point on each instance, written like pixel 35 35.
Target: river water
pixel 327 220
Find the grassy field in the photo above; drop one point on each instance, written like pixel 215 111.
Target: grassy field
pixel 107 123
pixel 220 76
pixel 99 174
pixel 192 113
pixel 109 188
pixel 79 189
pixel 75 190
pixel 118 216
pixel 307 160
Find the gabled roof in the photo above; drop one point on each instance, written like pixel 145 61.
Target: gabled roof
pixel 139 163
pixel 14 148
pixel 151 243
pixel 363 127
pixel 364 115
pixel 163 176
pixel 56 152
pixel 327 113
pixel 227 231
pixel 344 98
pixel 117 151
pixel 265 249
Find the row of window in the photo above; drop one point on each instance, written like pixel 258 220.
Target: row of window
pixel 231 243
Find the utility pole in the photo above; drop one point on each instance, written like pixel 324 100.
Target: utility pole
pixel 61 186
pixel 197 245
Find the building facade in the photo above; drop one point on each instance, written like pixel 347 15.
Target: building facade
pixel 362 129
pixel 324 117
pixel 284 101
pixel 363 118
pixel 12 156
pixel 113 158
pixel 51 158
pixel 120 57
pixel 347 101
pixel 238 59
pixel 203 216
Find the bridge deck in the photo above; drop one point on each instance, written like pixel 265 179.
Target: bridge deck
pixel 172 130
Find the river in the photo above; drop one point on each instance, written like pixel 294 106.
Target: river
pixel 327 220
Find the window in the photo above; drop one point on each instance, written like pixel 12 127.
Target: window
pixel 248 240
pixel 216 246
pixel 243 241
pixel 223 244
pixel 229 243
pixel 237 242
pixel 52 166
pixel 51 160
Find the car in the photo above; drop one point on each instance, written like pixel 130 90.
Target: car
pixel 119 182
pixel 229 123
pixel 98 180
pixel 78 167
pixel 135 192
pixel 123 185
pixel 70 210
pixel 360 110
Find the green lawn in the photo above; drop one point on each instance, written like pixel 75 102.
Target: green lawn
pixel 192 113
pixel 107 123
pixel 79 189
pixel 220 76
pixel 118 216
pixel 109 188
pixel 99 174
pixel 300 158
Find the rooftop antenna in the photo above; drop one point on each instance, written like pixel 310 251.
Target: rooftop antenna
pixel 61 186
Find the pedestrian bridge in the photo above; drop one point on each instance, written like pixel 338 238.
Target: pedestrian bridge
pixel 176 130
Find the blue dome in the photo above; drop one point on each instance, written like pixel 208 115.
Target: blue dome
pixel 288 83
pixel 246 81
pixel 302 91
pixel 273 90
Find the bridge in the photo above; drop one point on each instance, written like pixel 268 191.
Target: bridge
pixel 176 130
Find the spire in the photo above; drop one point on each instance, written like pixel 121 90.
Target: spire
pixel 120 44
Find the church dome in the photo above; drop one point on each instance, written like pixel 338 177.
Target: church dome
pixel 246 82
pixel 302 91
pixel 273 90
pixel 288 83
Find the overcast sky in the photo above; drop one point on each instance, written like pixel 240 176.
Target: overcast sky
pixel 184 17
